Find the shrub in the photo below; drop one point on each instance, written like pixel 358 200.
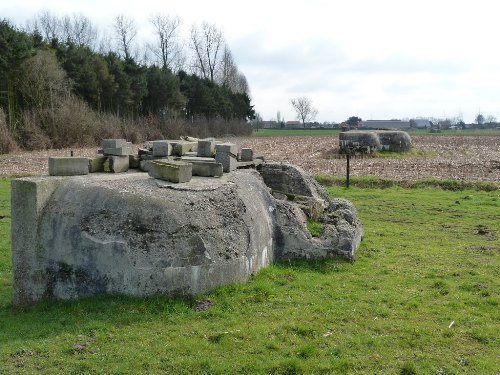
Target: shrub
pixel 7 141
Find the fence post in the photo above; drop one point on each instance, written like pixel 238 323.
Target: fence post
pixel 348 169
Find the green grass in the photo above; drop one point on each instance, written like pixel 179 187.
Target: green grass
pixel 315 228
pixel 382 183
pixel 413 153
pixel 430 257
pixel 464 132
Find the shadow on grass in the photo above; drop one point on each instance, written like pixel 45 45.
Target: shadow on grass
pixel 321 266
pixel 50 318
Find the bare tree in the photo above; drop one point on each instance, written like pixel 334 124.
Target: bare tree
pixel 228 70
pixel 168 49
pixel 304 109
pixel 42 81
pixel 46 24
pixel 126 31
pixel 242 84
pixel 206 43
pixel 480 119
pixel 78 29
pixel 490 119
pixel 105 44
pixel 229 75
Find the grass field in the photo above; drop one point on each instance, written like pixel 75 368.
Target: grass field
pixel 326 132
pixel 421 298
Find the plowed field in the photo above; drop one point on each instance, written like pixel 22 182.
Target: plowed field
pixel 475 158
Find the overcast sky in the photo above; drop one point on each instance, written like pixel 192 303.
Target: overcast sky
pixel 376 59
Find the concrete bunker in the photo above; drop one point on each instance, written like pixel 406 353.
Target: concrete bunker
pixel 135 234
pixel 370 141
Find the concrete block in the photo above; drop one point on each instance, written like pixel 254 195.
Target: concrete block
pixel 180 148
pixel 204 169
pixel 246 154
pixel 145 163
pixel 68 166
pixel 113 143
pixel 121 151
pixel 197 159
pixel 29 197
pixel 144 151
pixel 173 171
pixel 206 148
pixel 228 161
pixel 134 161
pixel 116 164
pixel 161 148
pixel 230 148
pixel 97 164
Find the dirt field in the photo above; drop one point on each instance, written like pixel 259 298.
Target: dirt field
pixel 455 157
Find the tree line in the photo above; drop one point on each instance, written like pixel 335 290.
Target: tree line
pixel 61 85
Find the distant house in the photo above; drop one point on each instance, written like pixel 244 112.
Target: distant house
pixel 385 124
pixel 269 124
pixel 293 124
pixel 444 124
pixel 420 124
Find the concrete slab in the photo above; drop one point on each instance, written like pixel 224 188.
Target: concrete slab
pixel 68 166
pixel 204 169
pixel 230 148
pixel 162 148
pixel 118 151
pixel 180 148
pixel 246 154
pixel 113 143
pixel 206 148
pixel 228 161
pixel 173 171
pixel 197 159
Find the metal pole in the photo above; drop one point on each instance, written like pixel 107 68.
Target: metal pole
pixel 348 169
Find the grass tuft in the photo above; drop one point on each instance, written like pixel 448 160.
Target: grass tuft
pixel 315 228
pixel 373 182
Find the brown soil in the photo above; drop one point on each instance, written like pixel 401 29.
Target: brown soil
pixel 474 158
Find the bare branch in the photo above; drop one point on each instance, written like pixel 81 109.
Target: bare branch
pixel 167 49
pixel 126 31
pixel 304 109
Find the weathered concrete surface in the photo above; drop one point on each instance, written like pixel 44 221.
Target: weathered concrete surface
pixel 96 164
pixel 368 141
pixel 161 148
pixel 355 141
pixel 131 234
pixel 68 166
pixel 343 231
pixel 394 140
pixel 171 170
pixel 124 234
pixel 206 148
